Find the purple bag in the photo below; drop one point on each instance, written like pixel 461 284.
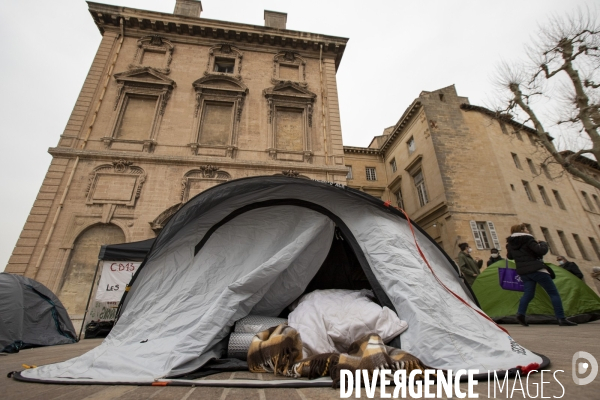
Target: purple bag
pixel 510 280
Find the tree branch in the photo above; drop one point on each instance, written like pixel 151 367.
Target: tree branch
pixel 544 138
pixel 571 45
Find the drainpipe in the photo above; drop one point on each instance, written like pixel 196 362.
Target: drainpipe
pixel 87 305
pixel 82 146
pixel 323 110
pixel 387 179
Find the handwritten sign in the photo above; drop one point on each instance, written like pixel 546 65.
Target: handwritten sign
pixel 100 311
pixel 115 276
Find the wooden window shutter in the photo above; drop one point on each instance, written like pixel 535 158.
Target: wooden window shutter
pixel 476 235
pixel 494 234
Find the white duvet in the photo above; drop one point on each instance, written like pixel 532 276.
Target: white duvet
pixel 330 320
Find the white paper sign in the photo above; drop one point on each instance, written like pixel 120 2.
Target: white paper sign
pixel 115 276
pixel 101 311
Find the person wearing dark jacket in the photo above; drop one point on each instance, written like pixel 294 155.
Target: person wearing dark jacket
pixel 468 265
pixel 494 257
pixel 570 266
pixel 528 255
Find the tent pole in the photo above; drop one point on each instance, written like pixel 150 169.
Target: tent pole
pixel 88 300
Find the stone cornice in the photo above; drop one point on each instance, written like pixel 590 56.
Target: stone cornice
pixel 416 161
pixel 365 188
pixel 151 22
pixel 581 159
pixel 425 213
pixel 398 128
pixel 361 150
pixel 193 161
pixel 408 114
pixel 394 182
pixel 506 118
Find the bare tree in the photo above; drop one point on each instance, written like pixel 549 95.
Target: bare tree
pixel 562 80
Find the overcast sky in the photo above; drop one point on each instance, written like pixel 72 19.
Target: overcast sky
pixel 396 50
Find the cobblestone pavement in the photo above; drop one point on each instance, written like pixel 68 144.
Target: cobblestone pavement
pixel 557 343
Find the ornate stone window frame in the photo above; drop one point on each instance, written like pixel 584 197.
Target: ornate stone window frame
pixel 224 51
pixel 117 168
pixel 421 190
pixel 290 95
pixel 217 89
pixel 292 59
pixel 394 187
pixel 290 173
pixel 210 173
pixel 144 81
pixel 156 44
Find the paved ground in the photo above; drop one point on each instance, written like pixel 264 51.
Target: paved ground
pixel 557 343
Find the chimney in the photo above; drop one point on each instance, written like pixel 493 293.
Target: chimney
pixel 189 8
pixel 275 19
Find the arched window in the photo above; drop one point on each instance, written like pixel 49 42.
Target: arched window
pixel 79 274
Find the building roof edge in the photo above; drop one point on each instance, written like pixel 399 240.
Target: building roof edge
pixel 507 118
pixel 106 15
pixel 360 150
pixel 400 124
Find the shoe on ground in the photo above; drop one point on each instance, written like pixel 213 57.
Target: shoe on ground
pixel 566 322
pixel 522 320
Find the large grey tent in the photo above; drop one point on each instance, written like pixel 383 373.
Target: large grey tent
pixel 31 315
pixel 253 246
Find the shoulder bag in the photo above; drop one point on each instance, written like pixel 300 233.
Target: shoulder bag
pixel 509 279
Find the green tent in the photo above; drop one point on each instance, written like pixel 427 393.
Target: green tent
pixel 581 303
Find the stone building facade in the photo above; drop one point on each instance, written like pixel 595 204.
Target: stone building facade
pixel 465 174
pixel 172 105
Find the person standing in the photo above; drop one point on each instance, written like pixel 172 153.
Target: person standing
pixel 494 257
pixel 596 277
pixel 469 267
pixel 528 255
pixel 569 266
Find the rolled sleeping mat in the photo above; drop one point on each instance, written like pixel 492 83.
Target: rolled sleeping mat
pixel 244 331
pixel 257 323
pixel 238 346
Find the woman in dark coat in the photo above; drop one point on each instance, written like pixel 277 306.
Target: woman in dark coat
pixel 528 255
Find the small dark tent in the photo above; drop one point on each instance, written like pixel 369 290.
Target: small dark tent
pixel 31 315
pixel 252 246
